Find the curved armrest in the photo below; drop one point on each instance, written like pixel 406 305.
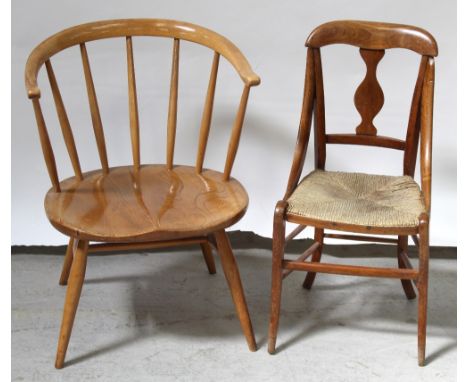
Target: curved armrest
pixel 135 27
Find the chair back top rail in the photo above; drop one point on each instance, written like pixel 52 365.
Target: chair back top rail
pixel 135 27
pixel 373 35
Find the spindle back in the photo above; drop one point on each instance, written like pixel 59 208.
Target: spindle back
pixel 129 28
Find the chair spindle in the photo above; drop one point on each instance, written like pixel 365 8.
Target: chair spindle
pixel 172 112
pixel 133 105
pixel 46 146
pixel 94 108
pixel 207 114
pixel 236 133
pixel 64 122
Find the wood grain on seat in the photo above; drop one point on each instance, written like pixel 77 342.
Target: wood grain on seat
pixel 154 203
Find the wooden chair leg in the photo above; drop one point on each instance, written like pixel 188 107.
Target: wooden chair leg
pixel 67 262
pixel 72 298
pixel 276 274
pixel 310 277
pixel 406 284
pixel 422 288
pixel 208 256
pixel 235 285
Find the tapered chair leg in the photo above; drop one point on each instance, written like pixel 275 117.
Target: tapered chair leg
pixel 310 277
pixel 276 274
pixel 406 284
pixel 72 298
pixel 208 256
pixel 67 262
pixel 235 285
pixel 422 288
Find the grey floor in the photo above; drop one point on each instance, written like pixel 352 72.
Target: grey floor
pixel 162 317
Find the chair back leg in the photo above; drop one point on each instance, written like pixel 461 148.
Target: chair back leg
pixel 422 289
pixel 403 251
pixel 208 256
pixel 67 261
pixel 310 277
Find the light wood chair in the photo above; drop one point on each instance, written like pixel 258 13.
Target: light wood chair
pixel 355 202
pixel 142 205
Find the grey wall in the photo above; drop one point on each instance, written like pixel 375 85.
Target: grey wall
pixel 271 34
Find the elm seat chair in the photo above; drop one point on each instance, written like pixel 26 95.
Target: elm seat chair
pixel 141 206
pixel 356 202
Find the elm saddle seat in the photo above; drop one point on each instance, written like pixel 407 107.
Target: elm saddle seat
pixel 151 204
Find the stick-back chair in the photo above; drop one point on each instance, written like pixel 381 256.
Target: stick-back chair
pixel 356 202
pixel 141 205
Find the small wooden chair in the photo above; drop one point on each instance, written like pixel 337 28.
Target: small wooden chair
pixel 356 202
pixel 141 206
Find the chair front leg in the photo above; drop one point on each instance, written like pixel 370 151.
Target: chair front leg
pixel 310 277
pixel 232 275
pixel 67 261
pixel 422 287
pixel 72 298
pixel 276 273
pixel 406 284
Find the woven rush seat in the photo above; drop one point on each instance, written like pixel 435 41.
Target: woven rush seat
pixel 359 199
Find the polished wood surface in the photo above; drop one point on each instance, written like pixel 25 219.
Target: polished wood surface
pixel 414 123
pixel 236 133
pixel 133 105
pixel 366 140
pixel 67 261
pixel 374 239
pixel 64 122
pixel 403 262
pixel 303 134
pixel 208 256
pixel 373 39
pixel 153 203
pixel 172 112
pixel 72 298
pixel 373 35
pixel 228 261
pixel 279 225
pixel 299 219
pixel 94 108
pixel 135 27
pixel 319 236
pixel 426 133
pixel 141 206
pixel 352 270
pixel 423 275
pixel 207 113
pixel 319 113
pixel 369 96
pixel 46 146
pixel 305 255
